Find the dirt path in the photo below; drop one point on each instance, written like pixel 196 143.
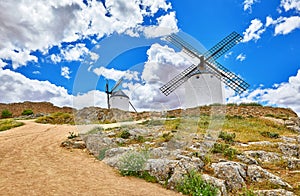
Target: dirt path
pixel 32 163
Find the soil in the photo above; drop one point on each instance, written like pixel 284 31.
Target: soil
pixel 33 163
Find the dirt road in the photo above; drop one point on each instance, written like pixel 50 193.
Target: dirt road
pixel 33 163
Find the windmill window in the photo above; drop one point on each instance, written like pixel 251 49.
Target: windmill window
pixel 197 77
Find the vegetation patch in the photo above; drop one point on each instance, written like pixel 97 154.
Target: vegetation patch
pixel 193 184
pixel 6 124
pixel 224 149
pixel 57 118
pixel 6 114
pixel 227 137
pixel 269 134
pixel 27 112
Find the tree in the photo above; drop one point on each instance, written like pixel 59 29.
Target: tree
pixel 6 114
pixel 27 112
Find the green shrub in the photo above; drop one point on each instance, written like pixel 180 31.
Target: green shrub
pixel 193 184
pixel 250 104
pixel 224 149
pixel 270 134
pixel 27 112
pixel 248 192
pixel 102 152
pixel 132 163
pixel 6 114
pixel 227 137
pixel 72 135
pixel 125 134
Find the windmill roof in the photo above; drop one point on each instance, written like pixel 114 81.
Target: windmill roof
pixel 119 93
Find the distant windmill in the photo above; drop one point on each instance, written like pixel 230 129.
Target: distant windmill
pixel 207 64
pixel 117 98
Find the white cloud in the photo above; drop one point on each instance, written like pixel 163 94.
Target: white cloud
pixel 115 75
pixel 15 87
pixel 287 25
pixel 2 64
pixel 36 72
pixel 65 72
pixel 254 31
pixel 290 4
pixel 28 26
pixel 286 94
pixel 241 57
pixel 248 5
pixel 228 55
pixel 167 24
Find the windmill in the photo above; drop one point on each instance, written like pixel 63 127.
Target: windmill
pixel 207 63
pixel 117 98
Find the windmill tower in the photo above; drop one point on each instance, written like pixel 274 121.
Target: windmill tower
pixel 117 98
pixel 205 78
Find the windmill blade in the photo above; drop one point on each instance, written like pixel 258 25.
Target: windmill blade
pixel 230 79
pixel 132 107
pixel 183 45
pixel 177 80
pixel 117 85
pixel 223 46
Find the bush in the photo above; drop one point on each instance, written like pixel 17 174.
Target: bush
pixel 225 149
pixel 270 134
pixel 250 104
pixel 57 118
pixel 132 163
pixel 125 134
pixel 6 114
pixel 27 112
pixel 8 124
pixel 193 184
pixel 227 137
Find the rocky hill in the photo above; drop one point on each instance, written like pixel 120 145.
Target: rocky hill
pixel 37 107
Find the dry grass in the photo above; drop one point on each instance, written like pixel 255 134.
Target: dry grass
pixel 6 124
pixel 57 118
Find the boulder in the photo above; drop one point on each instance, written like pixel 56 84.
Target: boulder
pixel 233 173
pixel 96 142
pixel 246 159
pixel 113 155
pixel 257 174
pixel 162 169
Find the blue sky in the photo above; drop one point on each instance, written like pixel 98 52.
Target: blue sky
pixel 62 51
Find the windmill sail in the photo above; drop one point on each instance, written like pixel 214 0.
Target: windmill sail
pixel 208 61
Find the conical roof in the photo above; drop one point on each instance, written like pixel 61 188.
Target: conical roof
pixel 119 93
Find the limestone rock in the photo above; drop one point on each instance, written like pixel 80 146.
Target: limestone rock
pixel 263 156
pixel 113 155
pixel 258 174
pixel 275 192
pixel 162 169
pixel 233 173
pixel 290 149
pixel 96 142
pixel 247 159
pixel 220 184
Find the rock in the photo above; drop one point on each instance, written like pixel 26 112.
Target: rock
pixel 258 174
pixel 288 139
pixel 113 155
pixel 246 159
pixel 275 192
pixel 73 144
pixel 262 143
pixel 162 169
pixel 298 139
pixel 233 173
pixel 289 149
pixel 96 142
pixel 218 183
pixel 289 123
pixel 293 163
pixel 160 152
pixel 263 156
pixel 138 132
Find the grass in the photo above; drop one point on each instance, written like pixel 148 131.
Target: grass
pixel 6 124
pixel 57 118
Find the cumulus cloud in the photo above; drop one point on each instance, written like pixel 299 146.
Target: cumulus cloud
pixel 248 5
pixel 114 74
pixel 285 94
pixel 28 26
pixel 254 31
pixel 290 4
pixel 15 87
pixel 287 25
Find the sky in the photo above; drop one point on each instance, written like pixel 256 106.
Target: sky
pixel 63 51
